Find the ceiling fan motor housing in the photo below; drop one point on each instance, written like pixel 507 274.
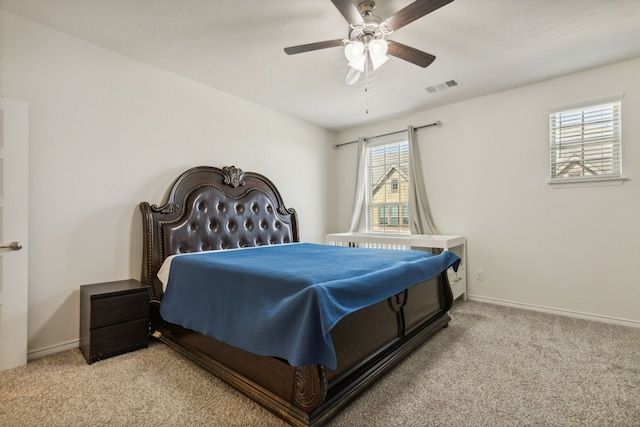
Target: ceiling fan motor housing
pixel 366 7
pixel 369 30
pixel 371 27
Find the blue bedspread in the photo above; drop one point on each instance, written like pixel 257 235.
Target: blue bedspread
pixel 283 300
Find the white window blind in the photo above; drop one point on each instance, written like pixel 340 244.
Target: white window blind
pixel 388 187
pixel 585 143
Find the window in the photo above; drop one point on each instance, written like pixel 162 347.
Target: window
pixel 382 215
pixel 405 215
pixel 585 143
pixel 388 187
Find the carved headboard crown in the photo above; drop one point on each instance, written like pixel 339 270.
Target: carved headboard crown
pixel 210 208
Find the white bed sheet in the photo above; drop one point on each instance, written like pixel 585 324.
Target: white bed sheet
pixel 165 268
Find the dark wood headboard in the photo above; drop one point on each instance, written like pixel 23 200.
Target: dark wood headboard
pixel 210 208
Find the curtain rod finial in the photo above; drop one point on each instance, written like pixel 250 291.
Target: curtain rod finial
pixel 438 123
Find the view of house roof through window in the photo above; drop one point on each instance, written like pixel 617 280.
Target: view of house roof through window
pixel 585 143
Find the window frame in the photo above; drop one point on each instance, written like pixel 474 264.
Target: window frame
pixel 394 222
pixel 608 141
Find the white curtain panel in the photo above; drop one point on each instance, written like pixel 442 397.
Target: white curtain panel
pixel 420 218
pixel 358 222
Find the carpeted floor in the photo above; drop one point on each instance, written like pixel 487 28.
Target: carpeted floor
pixel 493 366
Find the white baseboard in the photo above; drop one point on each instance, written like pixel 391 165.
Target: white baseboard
pixel 569 313
pixel 37 354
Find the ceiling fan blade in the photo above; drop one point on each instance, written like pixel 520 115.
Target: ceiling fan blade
pixel 349 10
pixel 414 11
pixel 407 53
pixel 352 76
pixel 312 46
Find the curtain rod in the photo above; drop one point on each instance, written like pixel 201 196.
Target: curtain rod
pixel 438 123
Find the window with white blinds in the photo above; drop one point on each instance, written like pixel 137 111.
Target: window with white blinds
pixel 388 187
pixel 585 143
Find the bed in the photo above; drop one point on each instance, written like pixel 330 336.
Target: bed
pixel 214 209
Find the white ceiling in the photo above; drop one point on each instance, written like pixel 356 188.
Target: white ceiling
pixel 236 46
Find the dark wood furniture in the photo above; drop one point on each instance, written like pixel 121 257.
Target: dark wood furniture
pixel 210 208
pixel 114 318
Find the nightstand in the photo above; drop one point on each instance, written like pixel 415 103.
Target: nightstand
pixel 114 318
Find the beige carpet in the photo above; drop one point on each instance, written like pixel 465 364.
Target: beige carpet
pixel 493 366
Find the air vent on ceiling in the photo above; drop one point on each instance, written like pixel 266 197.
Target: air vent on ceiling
pixel 443 86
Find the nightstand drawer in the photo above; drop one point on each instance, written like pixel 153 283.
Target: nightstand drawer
pixel 121 308
pixel 118 339
pixel 114 318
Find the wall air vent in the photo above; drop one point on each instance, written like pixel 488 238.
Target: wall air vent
pixel 443 86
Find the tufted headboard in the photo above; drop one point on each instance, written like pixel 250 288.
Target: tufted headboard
pixel 211 208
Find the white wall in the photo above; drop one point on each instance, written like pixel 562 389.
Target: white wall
pixel 107 132
pixel 486 173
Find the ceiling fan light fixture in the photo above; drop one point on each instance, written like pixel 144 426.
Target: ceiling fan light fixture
pixel 359 64
pixel 354 51
pixel 378 48
pixel 352 77
pixel 377 62
pixel 378 52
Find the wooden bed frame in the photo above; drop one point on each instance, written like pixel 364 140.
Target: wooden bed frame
pixel 211 208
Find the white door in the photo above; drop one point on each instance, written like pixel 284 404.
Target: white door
pixel 14 198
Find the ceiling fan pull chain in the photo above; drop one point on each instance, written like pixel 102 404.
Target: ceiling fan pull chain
pixel 366 94
pixel 366 84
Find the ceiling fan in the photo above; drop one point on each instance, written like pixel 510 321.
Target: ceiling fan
pixel 366 44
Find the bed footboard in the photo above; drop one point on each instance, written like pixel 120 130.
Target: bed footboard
pixel 311 395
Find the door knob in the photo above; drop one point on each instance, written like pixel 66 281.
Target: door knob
pixel 14 246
